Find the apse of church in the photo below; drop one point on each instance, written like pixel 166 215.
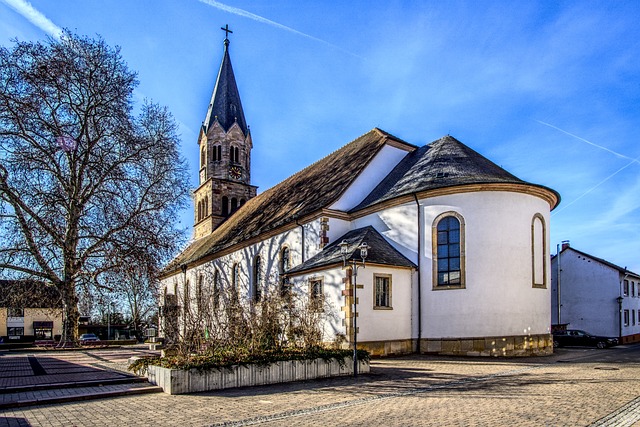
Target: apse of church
pixel 225 154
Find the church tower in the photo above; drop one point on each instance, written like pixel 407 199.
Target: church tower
pixel 225 154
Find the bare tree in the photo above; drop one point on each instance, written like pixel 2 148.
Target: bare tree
pixel 84 184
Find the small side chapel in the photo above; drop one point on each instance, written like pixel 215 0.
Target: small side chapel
pixel 458 248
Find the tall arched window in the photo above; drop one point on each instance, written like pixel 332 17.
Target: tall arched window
pixel 215 295
pixel 203 157
pixel 539 252
pixel 235 282
pixel 205 212
pixel 216 153
pixel 448 251
pixel 199 295
pixel 256 290
pixel 234 204
pixel 285 262
pixel 225 206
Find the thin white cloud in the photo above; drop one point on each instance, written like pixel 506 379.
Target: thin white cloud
pixel 590 143
pixel 252 16
pixel 636 160
pixel 34 16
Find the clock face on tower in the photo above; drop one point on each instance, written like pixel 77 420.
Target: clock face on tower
pixel 235 172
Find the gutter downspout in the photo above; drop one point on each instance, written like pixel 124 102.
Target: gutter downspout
pixel 419 264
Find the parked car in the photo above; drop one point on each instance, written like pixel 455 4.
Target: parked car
pixel 89 338
pixel 575 337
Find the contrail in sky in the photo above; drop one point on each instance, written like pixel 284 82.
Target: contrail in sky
pixel 589 142
pixel 245 14
pixel 636 160
pixel 36 17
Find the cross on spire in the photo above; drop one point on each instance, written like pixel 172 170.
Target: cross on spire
pixel 226 31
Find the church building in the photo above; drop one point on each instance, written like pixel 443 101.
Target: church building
pixel 455 248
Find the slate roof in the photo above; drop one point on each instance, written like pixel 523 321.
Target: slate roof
pixel 443 163
pixel 380 252
pixel 225 105
pixel 306 192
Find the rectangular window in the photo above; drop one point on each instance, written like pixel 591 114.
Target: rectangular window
pixel 633 317
pixel 382 291
pixel 626 317
pixel 15 312
pixel 15 333
pixel 316 294
pixel 633 289
pixel 625 288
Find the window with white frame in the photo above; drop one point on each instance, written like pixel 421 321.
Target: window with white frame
pixel 382 291
pixel 625 288
pixel 633 317
pixel 626 317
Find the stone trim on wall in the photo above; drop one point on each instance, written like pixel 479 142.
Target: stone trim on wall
pixel 503 346
pixel 388 348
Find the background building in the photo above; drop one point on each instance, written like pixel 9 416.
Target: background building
pixel 594 295
pixel 29 311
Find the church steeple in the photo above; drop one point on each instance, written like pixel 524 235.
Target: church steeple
pixel 225 154
pixel 225 105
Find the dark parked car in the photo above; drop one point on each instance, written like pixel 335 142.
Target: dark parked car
pixel 581 338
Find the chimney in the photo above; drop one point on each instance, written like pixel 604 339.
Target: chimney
pixel 565 244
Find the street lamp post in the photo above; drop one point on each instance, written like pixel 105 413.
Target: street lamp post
pixel 344 251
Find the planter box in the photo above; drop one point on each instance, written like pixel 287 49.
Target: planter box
pixel 176 381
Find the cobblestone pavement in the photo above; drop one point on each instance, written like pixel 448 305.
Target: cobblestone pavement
pixel 575 387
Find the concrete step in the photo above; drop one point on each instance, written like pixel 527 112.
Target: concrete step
pixel 74 394
pixel 74 384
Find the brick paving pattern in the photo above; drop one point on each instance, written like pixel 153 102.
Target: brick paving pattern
pixel 576 387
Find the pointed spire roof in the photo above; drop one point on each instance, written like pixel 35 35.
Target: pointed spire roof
pixel 225 105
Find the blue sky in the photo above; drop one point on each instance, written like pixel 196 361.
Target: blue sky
pixel 549 90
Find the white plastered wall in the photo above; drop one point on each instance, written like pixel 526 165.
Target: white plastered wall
pixel 499 298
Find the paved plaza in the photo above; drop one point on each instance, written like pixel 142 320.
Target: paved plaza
pixel 574 387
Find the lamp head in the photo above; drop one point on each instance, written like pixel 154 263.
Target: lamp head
pixel 344 248
pixel 364 250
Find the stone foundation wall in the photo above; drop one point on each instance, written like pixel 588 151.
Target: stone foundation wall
pixel 506 346
pixel 388 348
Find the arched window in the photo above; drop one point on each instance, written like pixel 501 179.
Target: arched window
pixel 242 202
pixel 199 295
pixel 199 211
pixel 539 252
pixel 205 212
pixel 225 206
pixel 234 204
pixel 203 157
pixel 215 295
pixel 235 282
pixel 285 260
pixel 256 290
pixel 234 154
pixel 448 251
pixel 216 153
